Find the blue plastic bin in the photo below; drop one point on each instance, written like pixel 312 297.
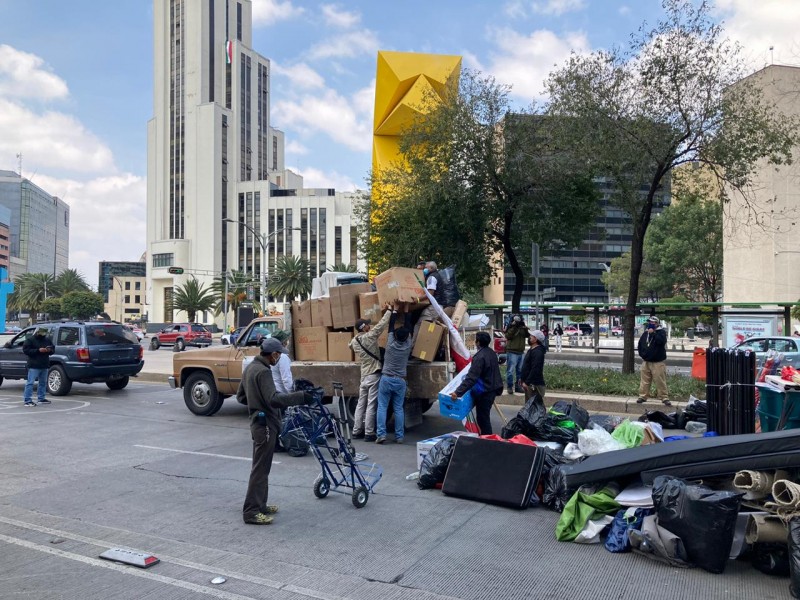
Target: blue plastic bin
pixel 770 408
pixel 455 409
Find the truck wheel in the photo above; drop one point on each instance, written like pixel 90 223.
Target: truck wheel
pixel 322 486
pixel 360 497
pixel 200 394
pixel 58 384
pixel 118 384
pixel 180 345
pixel 154 344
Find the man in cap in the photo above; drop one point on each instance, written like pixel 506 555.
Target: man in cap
pixel 257 391
pixel 653 351
pixel 533 366
pixel 365 347
pixel 38 349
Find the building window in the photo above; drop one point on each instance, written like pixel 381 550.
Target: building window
pixel 138 286
pixel 275 153
pixel 337 245
pixel 137 299
pixel 304 232
pixel 239 21
pixel 353 245
pixel 127 286
pixel 127 299
pixel 163 260
pixel 323 240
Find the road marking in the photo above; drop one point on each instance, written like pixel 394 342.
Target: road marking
pixel 247 458
pixel 8 406
pixel 96 562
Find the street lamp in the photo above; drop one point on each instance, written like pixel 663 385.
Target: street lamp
pixel 263 241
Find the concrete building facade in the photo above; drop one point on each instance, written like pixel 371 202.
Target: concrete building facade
pixel 5 238
pixel 212 154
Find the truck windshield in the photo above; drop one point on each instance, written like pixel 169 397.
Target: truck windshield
pixel 258 333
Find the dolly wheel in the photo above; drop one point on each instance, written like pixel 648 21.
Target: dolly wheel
pixel 322 486
pixel 360 497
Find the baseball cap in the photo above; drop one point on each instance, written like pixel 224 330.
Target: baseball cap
pixel 270 345
pixel 538 335
pixel 361 323
pixel 653 320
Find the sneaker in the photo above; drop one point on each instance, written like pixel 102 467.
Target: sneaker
pixel 398 440
pixel 30 404
pixel 380 439
pixel 641 400
pixel 45 401
pixel 510 391
pixel 370 438
pixel 666 402
pixel 358 435
pixel 259 519
pixel 270 510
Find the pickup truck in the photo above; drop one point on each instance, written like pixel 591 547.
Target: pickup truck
pixel 210 375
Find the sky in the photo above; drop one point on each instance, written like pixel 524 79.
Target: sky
pixel 76 87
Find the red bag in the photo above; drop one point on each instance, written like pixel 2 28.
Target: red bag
pixel 517 439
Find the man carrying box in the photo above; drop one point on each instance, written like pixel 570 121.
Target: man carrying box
pixel 392 388
pixel 365 347
pixel 485 381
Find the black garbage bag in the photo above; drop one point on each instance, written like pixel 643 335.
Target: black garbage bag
pixel 703 518
pixel 450 289
pixel 551 432
pixel 556 493
pixel 514 427
pixel 571 411
pixel 607 422
pixel 434 465
pixel 663 419
pixel 528 421
pixel 696 410
pixel 794 557
pixel 772 559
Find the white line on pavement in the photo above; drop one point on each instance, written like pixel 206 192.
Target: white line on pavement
pixel 248 458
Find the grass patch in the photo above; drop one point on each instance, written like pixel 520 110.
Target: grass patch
pixel 608 382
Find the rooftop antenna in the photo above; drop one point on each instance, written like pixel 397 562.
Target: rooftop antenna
pixel 772 55
pixel 19 163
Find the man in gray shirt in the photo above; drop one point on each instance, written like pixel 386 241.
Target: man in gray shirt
pixel 392 388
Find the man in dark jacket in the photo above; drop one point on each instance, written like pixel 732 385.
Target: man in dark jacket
pixel 38 349
pixel 516 336
pixel 533 366
pixel 653 351
pixel 257 391
pixel 485 381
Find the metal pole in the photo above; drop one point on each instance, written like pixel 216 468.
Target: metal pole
pixel 264 290
pixel 225 305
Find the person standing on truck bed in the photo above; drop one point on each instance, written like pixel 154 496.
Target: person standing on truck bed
pixel 435 285
pixel 392 388
pixel 365 347
pixel 257 391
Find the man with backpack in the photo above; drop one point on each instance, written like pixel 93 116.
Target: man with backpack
pixel 365 347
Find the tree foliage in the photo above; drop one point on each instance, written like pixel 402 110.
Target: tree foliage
pixel 675 95
pixel 53 308
pixel 30 291
pixel 82 305
pixel 291 278
pixel 343 268
pixel 70 280
pixel 477 182
pixel 192 297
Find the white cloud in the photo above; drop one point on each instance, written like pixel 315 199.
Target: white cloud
pixel 317 178
pixel 22 76
pixel 295 148
pixel 301 75
pixel 331 113
pixel 340 18
pixel 624 10
pixel 346 45
pixel 269 12
pixel 759 25
pixel 515 9
pixel 558 7
pixel 524 62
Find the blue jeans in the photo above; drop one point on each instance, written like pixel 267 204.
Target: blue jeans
pixel 513 368
pixel 33 375
pixel 391 389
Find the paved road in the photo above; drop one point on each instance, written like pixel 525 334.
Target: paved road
pixel 134 468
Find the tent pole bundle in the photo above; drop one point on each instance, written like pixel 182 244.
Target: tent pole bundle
pixel 730 391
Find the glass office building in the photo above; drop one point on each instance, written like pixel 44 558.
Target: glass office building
pixel 110 269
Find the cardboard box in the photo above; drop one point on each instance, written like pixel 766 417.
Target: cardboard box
pixel 459 312
pixel 338 346
pixel 311 343
pixel 301 314
pixel 400 284
pixel 428 341
pixel 344 303
pixel 369 307
pixel 321 312
pixel 425 446
pixel 383 338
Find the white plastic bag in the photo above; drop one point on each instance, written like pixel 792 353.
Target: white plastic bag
pixel 596 441
pixel 572 452
pixel 592 530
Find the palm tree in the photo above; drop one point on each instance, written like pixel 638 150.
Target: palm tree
pixel 343 268
pixel 70 280
pixel 291 278
pixel 30 291
pixel 193 297
pixel 238 282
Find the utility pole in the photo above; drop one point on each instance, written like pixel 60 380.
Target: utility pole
pixel 535 273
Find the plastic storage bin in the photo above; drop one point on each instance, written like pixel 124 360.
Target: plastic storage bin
pixel 455 409
pixel 770 408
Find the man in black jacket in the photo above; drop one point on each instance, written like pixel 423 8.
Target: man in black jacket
pixel 653 351
pixel 38 349
pixel 485 381
pixel 257 391
pixel 533 366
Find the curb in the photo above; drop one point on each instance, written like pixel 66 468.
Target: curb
pixel 153 378
pixel 596 404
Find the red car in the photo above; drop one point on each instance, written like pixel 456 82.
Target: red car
pixel 181 335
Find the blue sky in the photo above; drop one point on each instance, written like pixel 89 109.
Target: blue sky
pixel 76 83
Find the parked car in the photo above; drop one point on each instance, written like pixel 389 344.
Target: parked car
pixel 85 351
pixel 136 331
pixel 499 345
pixel 572 330
pixel 181 335
pixel 229 339
pixel 761 345
pixel 617 331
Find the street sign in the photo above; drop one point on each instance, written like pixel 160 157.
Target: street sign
pixel 250 292
pixel 175 271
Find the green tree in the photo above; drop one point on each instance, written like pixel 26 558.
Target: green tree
pixel 478 184
pixel 30 291
pixel 82 305
pixel 651 278
pixel 53 308
pixel 291 278
pixel 237 286
pixel 675 95
pixel 193 297
pixel 70 280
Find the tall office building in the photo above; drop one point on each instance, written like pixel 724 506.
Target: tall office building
pixel 212 154
pixel 39 227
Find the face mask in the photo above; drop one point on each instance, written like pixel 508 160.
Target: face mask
pixel 426 272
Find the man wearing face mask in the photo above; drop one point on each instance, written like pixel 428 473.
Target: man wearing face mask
pixel 516 336
pixel 257 391
pixel 38 349
pixel 435 285
pixel 653 351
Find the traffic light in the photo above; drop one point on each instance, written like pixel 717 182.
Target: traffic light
pixel 175 270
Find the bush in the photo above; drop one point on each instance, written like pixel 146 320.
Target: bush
pixel 608 382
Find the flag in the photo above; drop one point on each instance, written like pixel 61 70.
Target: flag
pixel 229 52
